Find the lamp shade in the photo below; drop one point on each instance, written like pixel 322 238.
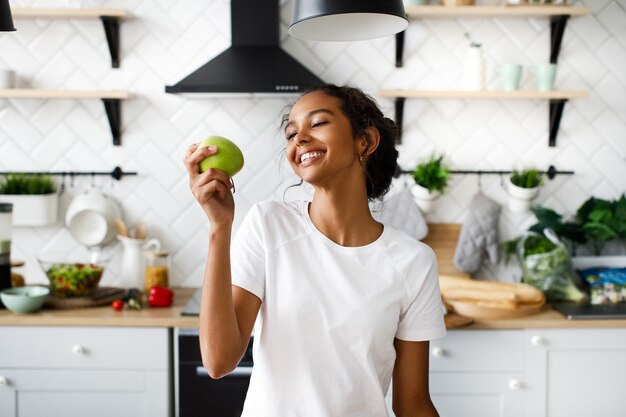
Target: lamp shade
pixel 6 20
pixel 347 20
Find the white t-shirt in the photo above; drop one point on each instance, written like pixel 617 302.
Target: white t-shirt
pixel 323 341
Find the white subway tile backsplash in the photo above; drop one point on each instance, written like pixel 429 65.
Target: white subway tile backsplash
pixel 164 41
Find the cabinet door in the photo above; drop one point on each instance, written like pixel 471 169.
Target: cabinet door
pixel 477 394
pixel 8 405
pixel 576 373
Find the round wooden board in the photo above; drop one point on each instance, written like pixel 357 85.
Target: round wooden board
pixel 102 296
pixel 454 320
pixel 477 311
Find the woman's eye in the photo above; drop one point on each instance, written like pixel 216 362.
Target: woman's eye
pixel 290 135
pixel 317 124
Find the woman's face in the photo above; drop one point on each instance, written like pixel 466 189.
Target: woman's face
pixel 320 144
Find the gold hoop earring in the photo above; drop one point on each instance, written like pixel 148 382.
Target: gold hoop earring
pixel 361 159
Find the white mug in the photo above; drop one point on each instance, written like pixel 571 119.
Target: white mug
pixel 7 78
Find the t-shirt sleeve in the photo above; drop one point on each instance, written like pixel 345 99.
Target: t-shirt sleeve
pixel 248 255
pixel 423 318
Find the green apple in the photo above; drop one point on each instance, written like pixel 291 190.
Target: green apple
pixel 228 158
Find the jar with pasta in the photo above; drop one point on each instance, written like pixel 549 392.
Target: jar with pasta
pixel 157 267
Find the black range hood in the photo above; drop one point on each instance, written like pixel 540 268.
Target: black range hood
pixel 254 63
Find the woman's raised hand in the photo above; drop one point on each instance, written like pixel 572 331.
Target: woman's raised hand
pixel 211 188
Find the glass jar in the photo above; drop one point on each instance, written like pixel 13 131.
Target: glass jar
pixel 17 273
pixel 157 269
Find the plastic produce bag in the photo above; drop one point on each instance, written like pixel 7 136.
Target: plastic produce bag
pixel 546 265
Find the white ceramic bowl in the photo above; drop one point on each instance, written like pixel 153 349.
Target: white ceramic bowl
pixel 90 217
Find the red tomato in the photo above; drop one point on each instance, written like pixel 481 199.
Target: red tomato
pixel 117 305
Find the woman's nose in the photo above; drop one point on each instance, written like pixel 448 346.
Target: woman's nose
pixel 301 137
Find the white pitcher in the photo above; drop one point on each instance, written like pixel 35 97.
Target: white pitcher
pixel 132 273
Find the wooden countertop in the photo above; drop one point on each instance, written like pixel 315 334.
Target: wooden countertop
pixel 170 317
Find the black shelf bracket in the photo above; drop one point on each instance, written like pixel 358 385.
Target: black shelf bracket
pixel 556 111
pixel 399 49
pixel 112 106
pixel 557 28
pixel 112 31
pixel 399 116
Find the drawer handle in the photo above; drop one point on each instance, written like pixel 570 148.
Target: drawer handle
pixel 537 340
pixel 238 371
pixel 514 384
pixel 78 350
pixel 4 380
pixel 438 352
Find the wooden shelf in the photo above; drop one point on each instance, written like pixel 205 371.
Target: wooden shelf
pixel 495 11
pixel 558 16
pixel 112 101
pixel 68 12
pixel 557 100
pixel 110 20
pixel 493 94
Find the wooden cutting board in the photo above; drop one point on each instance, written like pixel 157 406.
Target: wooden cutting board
pixel 454 320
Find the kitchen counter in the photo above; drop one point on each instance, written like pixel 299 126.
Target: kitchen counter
pixel 170 317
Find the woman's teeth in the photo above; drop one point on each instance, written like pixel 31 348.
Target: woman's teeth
pixel 310 155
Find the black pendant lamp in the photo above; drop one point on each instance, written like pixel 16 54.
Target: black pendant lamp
pixel 347 20
pixel 6 20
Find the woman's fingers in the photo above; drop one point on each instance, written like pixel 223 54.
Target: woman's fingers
pixel 194 155
pixel 209 190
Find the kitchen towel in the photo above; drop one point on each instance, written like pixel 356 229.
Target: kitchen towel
pixel 400 211
pixel 479 235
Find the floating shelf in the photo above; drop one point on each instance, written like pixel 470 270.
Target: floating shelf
pixel 112 102
pixel 557 101
pixel 558 16
pixel 110 20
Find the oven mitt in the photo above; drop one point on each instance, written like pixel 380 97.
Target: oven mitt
pixel 402 213
pixel 479 235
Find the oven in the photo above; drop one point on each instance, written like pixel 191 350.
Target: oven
pixel 197 394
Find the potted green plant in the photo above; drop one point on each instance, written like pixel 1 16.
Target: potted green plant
pixel 522 188
pixel 34 198
pixel 431 179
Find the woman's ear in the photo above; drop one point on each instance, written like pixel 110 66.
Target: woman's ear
pixel 370 141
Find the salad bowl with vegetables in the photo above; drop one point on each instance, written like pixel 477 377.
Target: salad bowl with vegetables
pixel 73 276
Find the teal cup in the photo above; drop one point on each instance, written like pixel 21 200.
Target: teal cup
pixel 546 74
pixel 511 75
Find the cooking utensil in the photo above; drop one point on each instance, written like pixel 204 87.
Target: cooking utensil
pixel 141 231
pixel 121 227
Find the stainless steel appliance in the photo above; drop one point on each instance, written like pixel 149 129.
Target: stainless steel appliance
pixel 197 394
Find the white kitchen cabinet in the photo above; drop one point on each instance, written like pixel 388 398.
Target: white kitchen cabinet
pixel 477 373
pixel 529 373
pixel 575 373
pixel 80 371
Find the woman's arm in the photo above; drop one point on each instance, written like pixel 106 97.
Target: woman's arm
pixel 227 313
pixel 411 396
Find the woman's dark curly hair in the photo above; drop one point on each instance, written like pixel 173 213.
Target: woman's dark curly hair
pixel 362 111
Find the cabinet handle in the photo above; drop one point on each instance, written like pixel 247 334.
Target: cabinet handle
pixel 78 350
pixel 514 384
pixel 438 352
pixel 4 380
pixel 537 340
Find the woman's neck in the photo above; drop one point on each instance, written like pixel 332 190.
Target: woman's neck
pixel 344 217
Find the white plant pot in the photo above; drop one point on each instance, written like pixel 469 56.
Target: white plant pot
pixel 520 198
pixel 33 210
pixel 424 198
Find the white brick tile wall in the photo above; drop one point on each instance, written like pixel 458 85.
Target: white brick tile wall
pixel 165 40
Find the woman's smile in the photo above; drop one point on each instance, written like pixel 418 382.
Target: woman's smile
pixel 310 157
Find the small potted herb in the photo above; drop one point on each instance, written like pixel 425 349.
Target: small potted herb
pixel 431 179
pixel 522 188
pixel 34 198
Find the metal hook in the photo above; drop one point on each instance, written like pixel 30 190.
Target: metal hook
pixel 480 182
pixel 62 187
pixel 72 179
pixel 93 180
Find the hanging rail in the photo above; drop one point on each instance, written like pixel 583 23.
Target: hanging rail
pixel 551 172
pixel 116 174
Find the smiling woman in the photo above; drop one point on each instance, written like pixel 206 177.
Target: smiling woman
pixel 343 303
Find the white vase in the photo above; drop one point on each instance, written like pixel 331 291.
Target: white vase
pixel 474 70
pixel 425 199
pixel 132 270
pixel 33 210
pixel 520 198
